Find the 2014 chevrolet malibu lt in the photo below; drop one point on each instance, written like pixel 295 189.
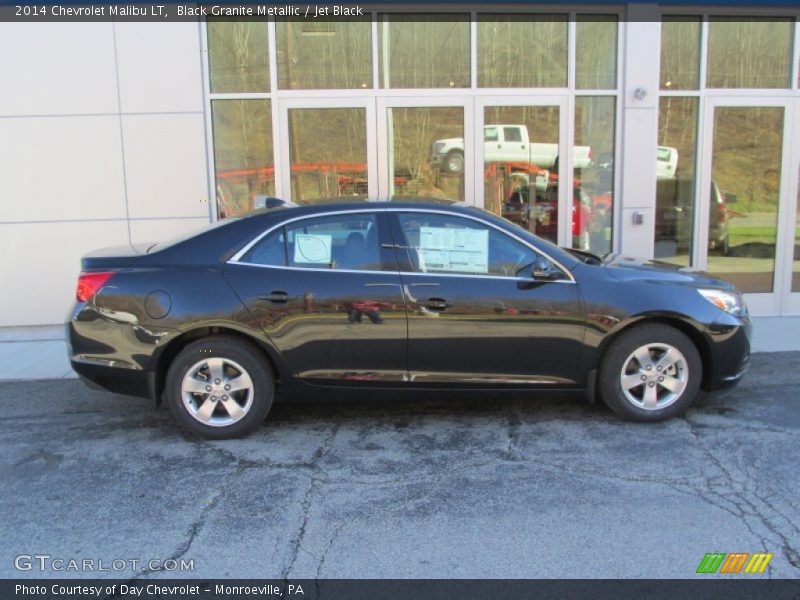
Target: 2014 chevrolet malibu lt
pixel 394 296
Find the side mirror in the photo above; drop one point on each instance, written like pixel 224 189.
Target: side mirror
pixel 730 198
pixel 543 270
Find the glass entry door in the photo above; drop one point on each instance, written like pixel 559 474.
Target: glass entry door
pixel 523 168
pixel 331 153
pixel 742 220
pixel 425 148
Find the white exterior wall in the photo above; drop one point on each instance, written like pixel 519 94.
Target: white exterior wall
pixel 640 63
pixel 102 142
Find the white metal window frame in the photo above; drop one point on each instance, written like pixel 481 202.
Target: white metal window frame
pixel 781 301
pixel 469 98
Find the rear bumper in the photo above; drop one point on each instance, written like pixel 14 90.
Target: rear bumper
pixel 112 356
pixel 117 380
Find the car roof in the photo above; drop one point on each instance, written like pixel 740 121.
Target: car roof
pixel 220 242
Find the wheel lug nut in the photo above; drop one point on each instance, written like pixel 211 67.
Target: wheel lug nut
pixel 651 384
pixel 227 388
pixel 658 368
pixel 661 379
pixel 217 381
pixel 208 388
pixel 214 398
pixel 644 377
pixel 224 398
pixel 649 367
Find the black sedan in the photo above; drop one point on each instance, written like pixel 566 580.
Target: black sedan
pixel 389 296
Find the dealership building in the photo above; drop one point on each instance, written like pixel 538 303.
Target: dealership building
pixel 650 130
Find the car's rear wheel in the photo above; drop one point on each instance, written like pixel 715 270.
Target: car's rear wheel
pixel 650 373
pixel 219 388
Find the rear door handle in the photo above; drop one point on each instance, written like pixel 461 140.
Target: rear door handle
pixel 276 296
pixel 436 304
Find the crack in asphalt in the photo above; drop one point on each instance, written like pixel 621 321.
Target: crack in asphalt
pixel 297 541
pixel 739 498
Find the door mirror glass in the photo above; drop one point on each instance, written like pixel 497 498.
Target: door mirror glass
pixel 544 270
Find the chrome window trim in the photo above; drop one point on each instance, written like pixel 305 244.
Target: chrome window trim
pixel 236 258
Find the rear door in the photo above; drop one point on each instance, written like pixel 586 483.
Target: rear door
pixel 326 290
pixel 476 316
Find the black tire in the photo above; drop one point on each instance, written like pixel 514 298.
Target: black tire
pixel 234 354
pixel 454 161
pixel 618 357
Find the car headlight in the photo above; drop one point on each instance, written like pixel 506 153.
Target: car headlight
pixel 731 302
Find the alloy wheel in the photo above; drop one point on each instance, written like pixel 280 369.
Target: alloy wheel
pixel 654 376
pixel 217 391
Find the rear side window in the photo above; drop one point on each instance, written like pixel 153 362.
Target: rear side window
pixel 270 250
pixel 331 242
pixel 512 134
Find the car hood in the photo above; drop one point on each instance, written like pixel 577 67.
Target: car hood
pixel 625 268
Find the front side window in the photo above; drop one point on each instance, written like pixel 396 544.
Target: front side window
pixel 447 244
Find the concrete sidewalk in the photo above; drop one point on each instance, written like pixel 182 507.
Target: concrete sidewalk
pixel 28 353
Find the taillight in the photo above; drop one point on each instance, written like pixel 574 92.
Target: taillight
pixel 90 283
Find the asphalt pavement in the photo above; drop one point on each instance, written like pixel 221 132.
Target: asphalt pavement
pixel 440 488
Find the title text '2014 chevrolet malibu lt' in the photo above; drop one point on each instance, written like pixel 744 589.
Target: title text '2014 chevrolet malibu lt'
pixel 388 296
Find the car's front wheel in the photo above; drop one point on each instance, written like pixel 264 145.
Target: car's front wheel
pixel 650 373
pixel 219 388
pixel 454 161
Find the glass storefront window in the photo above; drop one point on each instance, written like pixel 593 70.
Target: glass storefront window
pixel 424 51
pixel 520 155
pixel 752 53
pixel 243 156
pixel 324 54
pixel 796 267
pixel 508 56
pixel 680 53
pixel 328 154
pixel 676 160
pixel 593 160
pixel 596 52
pixel 745 187
pixel 237 56
pixel 426 152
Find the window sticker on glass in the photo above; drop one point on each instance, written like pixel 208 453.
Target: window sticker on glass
pixel 455 250
pixel 315 249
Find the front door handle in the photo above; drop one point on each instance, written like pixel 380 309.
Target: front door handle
pixel 438 304
pixel 276 296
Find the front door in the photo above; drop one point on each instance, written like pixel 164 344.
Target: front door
pixel 475 315
pixel 326 291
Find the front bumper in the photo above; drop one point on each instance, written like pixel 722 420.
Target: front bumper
pixel 730 346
